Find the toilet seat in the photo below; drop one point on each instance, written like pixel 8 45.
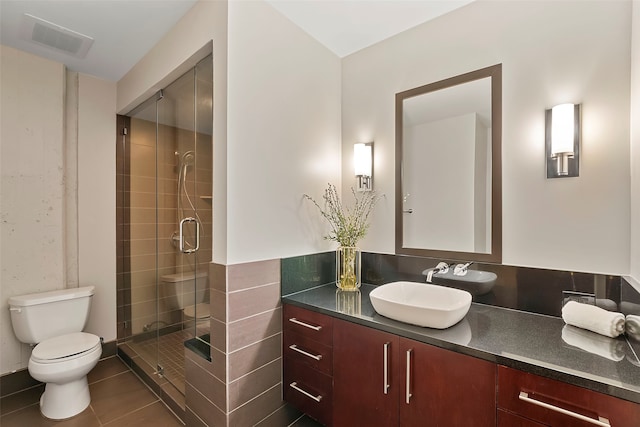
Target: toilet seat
pixel 65 347
pixel 198 311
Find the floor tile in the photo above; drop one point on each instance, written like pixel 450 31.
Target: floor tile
pixel 156 415
pixel 107 368
pixel 305 421
pixel 118 396
pixel 21 400
pixel 30 416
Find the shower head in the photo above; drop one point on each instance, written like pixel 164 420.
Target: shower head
pixel 188 158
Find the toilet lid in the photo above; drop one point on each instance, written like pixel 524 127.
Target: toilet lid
pixel 65 346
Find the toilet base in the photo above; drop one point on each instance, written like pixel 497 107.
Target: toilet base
pixel 61 401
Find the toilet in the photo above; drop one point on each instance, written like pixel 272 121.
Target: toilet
pixel 179 292
pixel 64 354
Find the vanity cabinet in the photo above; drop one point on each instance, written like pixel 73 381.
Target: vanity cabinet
pixel 543 401
pixel 381 379
pixel 308 362
pixel 346 375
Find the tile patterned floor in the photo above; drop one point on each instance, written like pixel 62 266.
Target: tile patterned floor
pixel 118 399
pixel 168 352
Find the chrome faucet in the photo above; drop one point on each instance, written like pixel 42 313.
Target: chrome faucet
pixel 442 267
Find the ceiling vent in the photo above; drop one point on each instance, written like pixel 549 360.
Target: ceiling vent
pixel 55 36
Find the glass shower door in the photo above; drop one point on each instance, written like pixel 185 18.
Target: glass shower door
pixel 184 200
pixel 168 201
pixel 141 217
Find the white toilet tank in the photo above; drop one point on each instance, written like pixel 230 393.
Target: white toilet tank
pixel 179 291
pixel 44 315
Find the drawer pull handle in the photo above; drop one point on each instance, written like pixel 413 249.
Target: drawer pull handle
pixel 294 347
pixel 385 368
pixel 306 325
pixel 294 385
pixel 603 422
pixel 408 394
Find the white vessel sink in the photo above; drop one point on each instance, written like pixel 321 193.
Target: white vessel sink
pixel 421 304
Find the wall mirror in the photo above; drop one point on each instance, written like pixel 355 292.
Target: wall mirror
pixel 448 168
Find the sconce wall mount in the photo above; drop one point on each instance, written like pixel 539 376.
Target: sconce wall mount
pixel 363 165
pixel 562 140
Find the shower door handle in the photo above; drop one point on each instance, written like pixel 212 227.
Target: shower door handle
pixel 182 248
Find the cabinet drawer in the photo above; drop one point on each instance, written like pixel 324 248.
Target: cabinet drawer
pixel 507 419
pixel 559 404
pixel 308 390
pixel 308 352
pixel 310 324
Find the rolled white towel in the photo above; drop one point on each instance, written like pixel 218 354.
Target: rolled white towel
pixel 593 318
pixel 632 326
pixel 593 343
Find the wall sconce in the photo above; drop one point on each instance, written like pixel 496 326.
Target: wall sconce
pixel 563 140
pixel 363 162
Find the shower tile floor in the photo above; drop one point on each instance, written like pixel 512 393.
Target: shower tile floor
pixel 168 352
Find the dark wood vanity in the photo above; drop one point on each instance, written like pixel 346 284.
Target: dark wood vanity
pixel 345 374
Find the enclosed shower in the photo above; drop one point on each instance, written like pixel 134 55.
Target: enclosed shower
pixel 165 194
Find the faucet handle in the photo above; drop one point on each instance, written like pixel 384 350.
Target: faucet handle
pixel 442 267
pixel 461 269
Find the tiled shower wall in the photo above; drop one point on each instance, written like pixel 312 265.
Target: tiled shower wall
pixel 143 216
pixel 137 217
pixel 242 385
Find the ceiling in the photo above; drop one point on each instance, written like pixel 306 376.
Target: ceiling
pixel 124 30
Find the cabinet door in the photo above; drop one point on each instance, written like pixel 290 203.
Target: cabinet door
pixel 445 388
pixel 365 376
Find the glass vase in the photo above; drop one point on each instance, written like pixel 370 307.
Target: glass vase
pixel 349 302
pixel 348 268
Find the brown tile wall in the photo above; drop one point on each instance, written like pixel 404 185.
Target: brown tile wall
pixel 137 193
pixel 244 378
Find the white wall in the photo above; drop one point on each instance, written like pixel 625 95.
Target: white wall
pixel 283 134
pixel 97 199
pixel 178 50
pixel 281 125
pixel 635 142
pixel 552 52
pixel 32 190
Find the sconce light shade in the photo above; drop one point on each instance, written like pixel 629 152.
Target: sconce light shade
pixel 563 140
pixel 363 165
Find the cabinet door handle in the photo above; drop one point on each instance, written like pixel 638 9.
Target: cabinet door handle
pixel 294 385
pixel 294 347
pixel 603 422
pixel 306 325
pixel 385 367
pixel 408 390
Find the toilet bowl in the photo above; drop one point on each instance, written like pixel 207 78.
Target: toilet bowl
pixel 187 292
pixel 63 355
pixel 63 364
pixel 196 316
pixel 196 312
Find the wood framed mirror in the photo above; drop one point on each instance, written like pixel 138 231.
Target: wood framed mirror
pixel 449 168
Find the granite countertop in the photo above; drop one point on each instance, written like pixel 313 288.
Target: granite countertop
pixel 534 343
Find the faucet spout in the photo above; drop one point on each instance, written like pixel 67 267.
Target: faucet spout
pixel 442 267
